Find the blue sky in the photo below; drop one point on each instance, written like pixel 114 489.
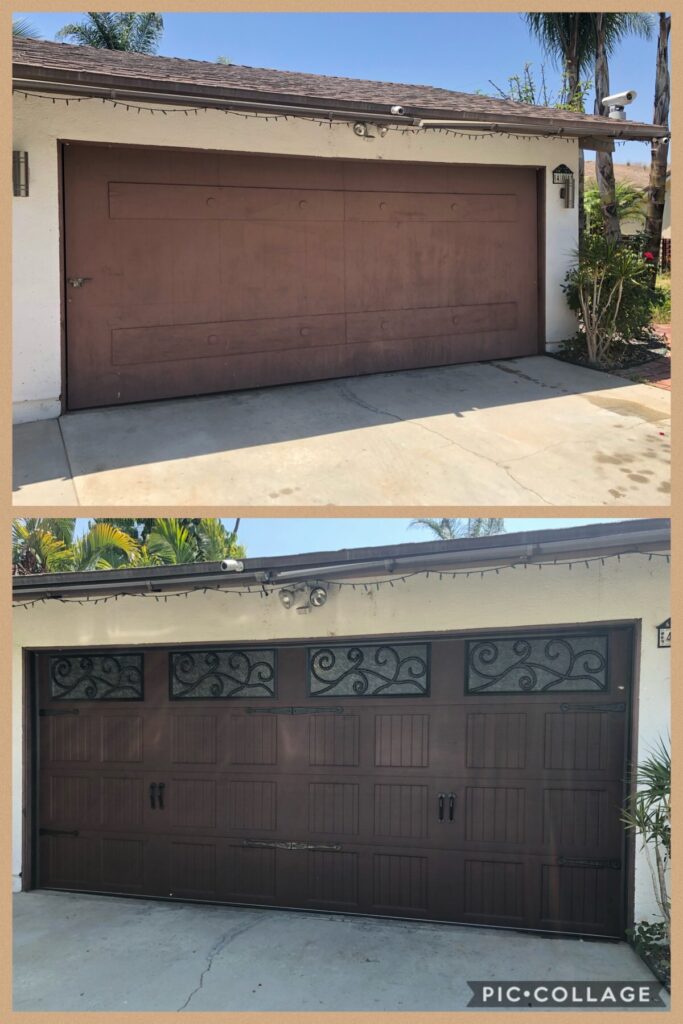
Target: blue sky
pixel 293 536
pixel 454 51
pixel 289 536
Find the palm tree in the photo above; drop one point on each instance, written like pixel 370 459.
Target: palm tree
pixel 51 545
pixel 452 529
pixel 567 40
pixel 609 30
pixel 629 199
pixel 581 42
pixel 139 32
pixel 660 147
pixel 103 546
pixel 41 545
pixel 23 29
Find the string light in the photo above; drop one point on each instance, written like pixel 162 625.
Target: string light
pixel 475 136
pixel 389 581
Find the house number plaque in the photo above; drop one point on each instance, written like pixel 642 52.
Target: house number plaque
pixel 664 633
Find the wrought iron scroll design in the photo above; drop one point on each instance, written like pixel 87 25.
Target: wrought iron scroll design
pixel 369 670
pixel 536 664
pixel 216 674
pixel 91 675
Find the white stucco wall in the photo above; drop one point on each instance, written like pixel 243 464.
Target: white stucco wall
pixel 632 589
pixel 39 124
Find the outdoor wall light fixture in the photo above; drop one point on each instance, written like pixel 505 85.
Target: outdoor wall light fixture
pixel 563 175
pixel 19 173
pixel 316 597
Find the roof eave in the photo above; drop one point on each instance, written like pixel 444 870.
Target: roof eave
pixel 31 77
pixel 528 547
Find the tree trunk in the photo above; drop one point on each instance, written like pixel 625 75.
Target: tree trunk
pixel 580 194
pixel 656 192
pixel 604 166
pixel 571 70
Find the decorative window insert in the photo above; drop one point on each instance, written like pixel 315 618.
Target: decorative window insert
pixel 369 670
pixel 218 674
pixel 537 664
pixel 96 675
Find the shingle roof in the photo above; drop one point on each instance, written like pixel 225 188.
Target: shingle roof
pixel 45 61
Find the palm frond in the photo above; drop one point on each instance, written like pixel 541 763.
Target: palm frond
pixel 104 546
pixel 134 31
pixel 23 29
pixel 171 542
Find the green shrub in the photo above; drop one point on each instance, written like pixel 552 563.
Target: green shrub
pixel 661 306
pixel 608 288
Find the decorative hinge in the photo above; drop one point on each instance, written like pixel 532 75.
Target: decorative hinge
pixel 57 832
pixel 295 711
pixel 593 707
pixel 578 862
pixel 276 845
pixel 53 712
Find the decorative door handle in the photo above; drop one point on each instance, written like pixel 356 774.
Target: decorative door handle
pixel 442 800
pixel 77 282
pixel 152 795
pixel 451 806
pixel 162 786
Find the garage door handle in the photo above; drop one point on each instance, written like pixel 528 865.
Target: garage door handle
pixel 442 803
pixel 162 786
pixel 152 795
pixel 451 806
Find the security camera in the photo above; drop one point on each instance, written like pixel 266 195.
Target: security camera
pixel 620 99
pixel 617 102
pixel 232 565
pixel 360 129
pixel 398 109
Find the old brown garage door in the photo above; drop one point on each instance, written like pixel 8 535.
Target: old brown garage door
pixel 194 272
pixel 460 780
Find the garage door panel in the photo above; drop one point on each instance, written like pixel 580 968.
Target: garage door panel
pixel 333 880
pixel 252 170
pixel 580 818
pixel 133 384
pixel 281 269
pixel 395 324
pixel 494 890
pixel 68 739
pixel 218 340
pixel 198 265
pixel 248 874
pixel 434 264
pixel 70 799
pixel 398 207
pixel 131 200
pixel 576 896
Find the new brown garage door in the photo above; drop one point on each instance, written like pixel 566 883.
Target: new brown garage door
pixel 460 780
pixel 198 272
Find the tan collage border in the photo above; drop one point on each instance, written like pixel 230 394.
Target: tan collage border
pixel 6 511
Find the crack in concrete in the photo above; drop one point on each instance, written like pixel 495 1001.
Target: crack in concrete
pixel 349 394
pixel 215 951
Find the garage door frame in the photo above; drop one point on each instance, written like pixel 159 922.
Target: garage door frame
pixel 541 174
pixel 30 751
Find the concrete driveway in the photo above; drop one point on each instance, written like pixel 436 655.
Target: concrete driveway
pixel 533 431
pixel 76 952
